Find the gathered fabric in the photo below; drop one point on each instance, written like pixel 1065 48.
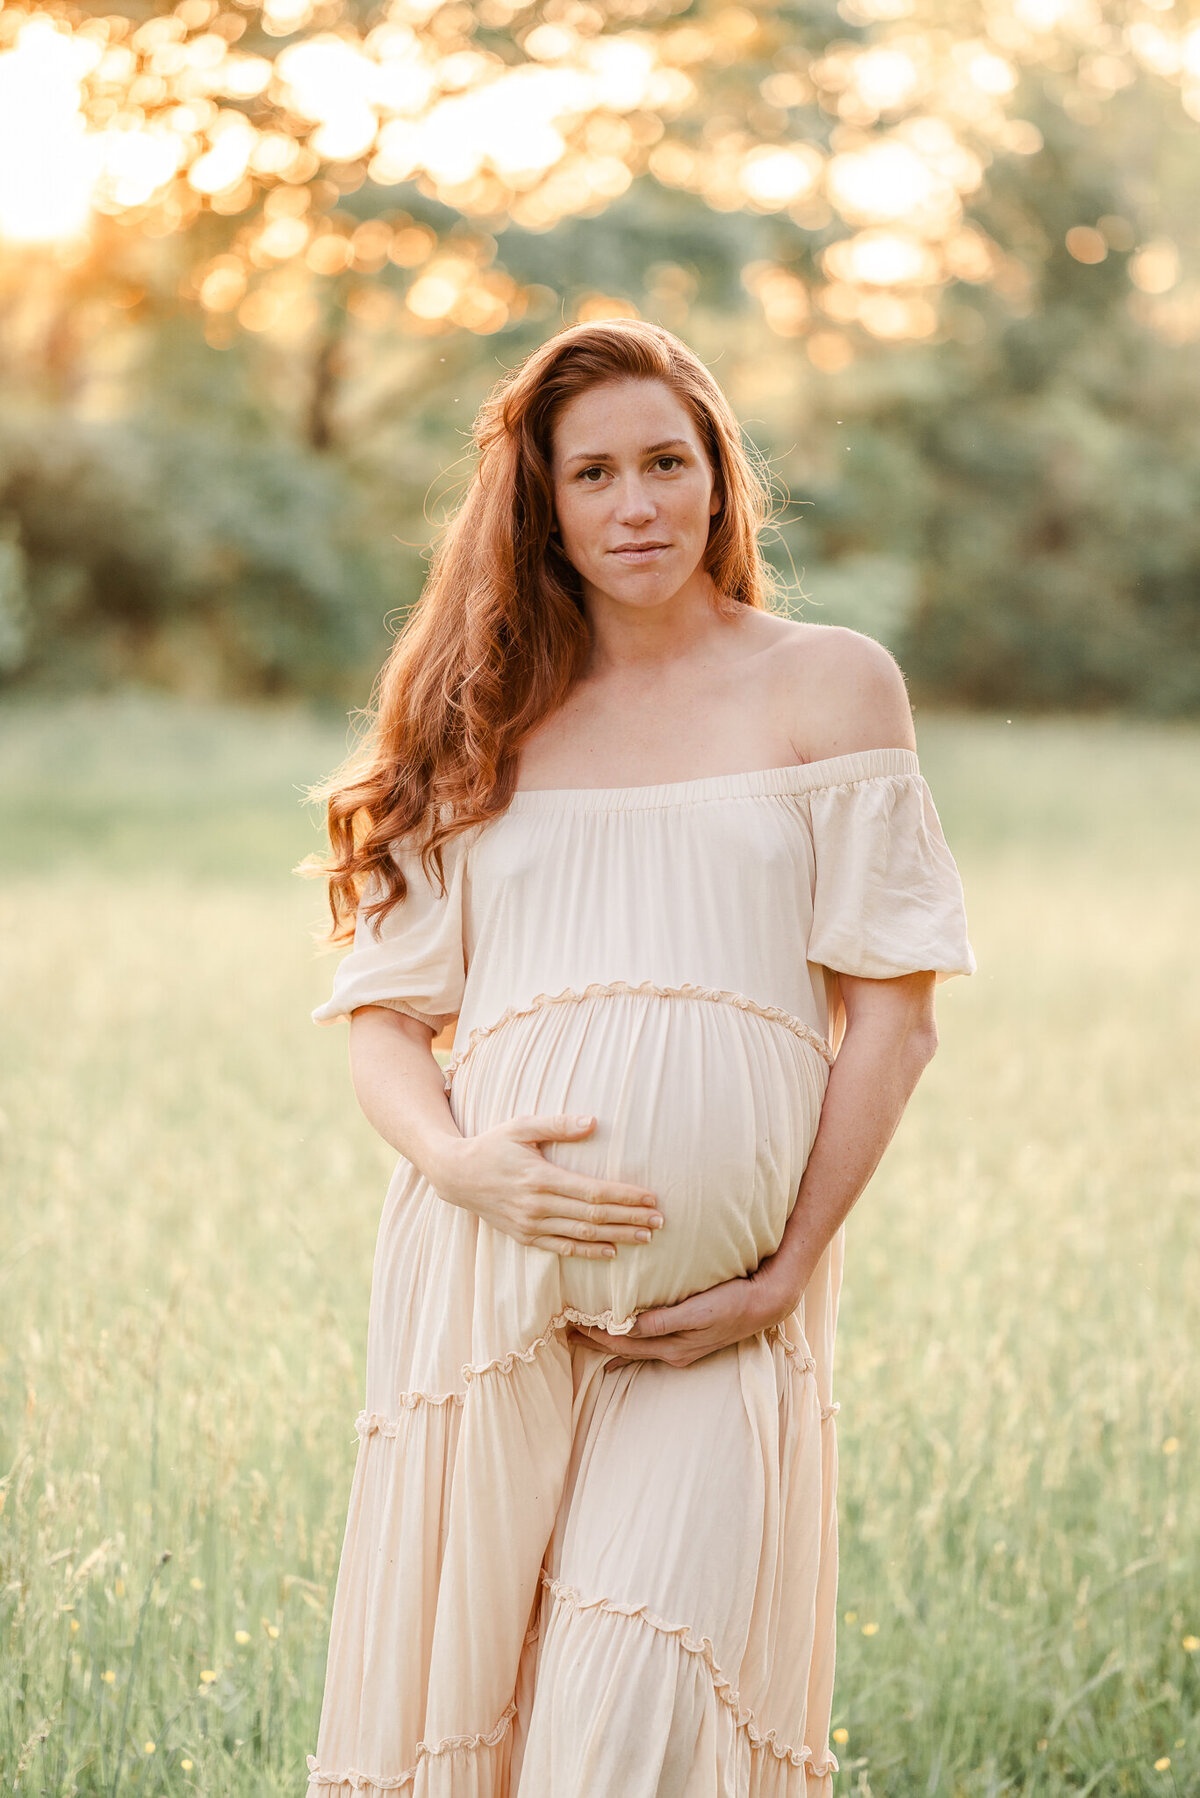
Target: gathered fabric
pixel 564 1574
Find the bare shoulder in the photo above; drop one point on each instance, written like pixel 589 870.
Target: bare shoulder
pixel 840 691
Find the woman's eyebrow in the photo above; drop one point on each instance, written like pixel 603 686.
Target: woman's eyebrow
pixel 653 449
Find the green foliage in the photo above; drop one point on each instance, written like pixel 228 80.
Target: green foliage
pixel 201 556
pixel 1050 531
pixel 1038 480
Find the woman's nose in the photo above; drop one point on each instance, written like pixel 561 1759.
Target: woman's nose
pixel 634 502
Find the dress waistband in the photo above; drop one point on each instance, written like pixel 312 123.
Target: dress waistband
pixel 774 1014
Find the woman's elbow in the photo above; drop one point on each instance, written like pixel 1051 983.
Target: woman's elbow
pixel 921 1044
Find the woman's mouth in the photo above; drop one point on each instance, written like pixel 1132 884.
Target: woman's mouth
pixel 637 553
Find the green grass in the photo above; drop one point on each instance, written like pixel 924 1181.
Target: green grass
pixel 190 1205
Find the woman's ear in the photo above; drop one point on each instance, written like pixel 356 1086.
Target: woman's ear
pixel 717 502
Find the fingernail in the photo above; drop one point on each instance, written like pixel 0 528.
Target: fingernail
pixel 583 1122
pixel 656 1222
pixel 609 1253
pixel 643 1235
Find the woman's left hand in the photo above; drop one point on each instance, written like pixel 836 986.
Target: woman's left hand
pixel 705 1322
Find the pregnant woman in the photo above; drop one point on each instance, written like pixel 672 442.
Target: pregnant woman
pixel 668 859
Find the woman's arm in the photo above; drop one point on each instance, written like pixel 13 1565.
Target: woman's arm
pixel 837 692
pixel 500 1174
pixel 890 1037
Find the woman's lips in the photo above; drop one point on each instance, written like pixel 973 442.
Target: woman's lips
pixel 637 553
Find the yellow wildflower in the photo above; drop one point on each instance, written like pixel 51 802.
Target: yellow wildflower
pixel 1171 1446
pixel 149 1747
pixel 186 1765
pixel 273 1631
pixel 241 1637
pixel 1163 1762
pixel 870 1629
pixel 119 1587
pixel 207 1676
pixel 108 1676
pixel 74 1626
pixel 196 1584
pixel 841 1737
pixel 1191 1644
pixel 851 1617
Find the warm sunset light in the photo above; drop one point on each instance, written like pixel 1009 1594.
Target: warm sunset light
pixel 317 320
pixel 49 162
pixel 884 137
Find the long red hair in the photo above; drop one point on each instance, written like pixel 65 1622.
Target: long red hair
pixel 500 633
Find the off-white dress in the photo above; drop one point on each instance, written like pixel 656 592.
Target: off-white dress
pixel 564 1577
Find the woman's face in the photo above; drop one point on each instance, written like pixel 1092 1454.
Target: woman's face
pixel 633 491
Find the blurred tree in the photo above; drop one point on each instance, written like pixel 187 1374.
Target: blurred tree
pixel 250 586
pixel 939 258
pixel 1037 471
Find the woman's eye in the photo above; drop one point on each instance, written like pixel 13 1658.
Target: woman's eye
pixel 586 474
pixel 669 462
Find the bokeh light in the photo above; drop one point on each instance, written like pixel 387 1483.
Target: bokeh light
pixel 533 115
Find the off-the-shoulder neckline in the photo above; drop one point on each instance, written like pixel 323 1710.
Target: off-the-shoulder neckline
pixel 792 777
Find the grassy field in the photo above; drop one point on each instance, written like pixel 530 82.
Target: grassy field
pixel 190 1204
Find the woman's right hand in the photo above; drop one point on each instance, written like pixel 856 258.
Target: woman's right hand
pixel 502 1176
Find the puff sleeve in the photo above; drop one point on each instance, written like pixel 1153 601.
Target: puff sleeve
pixel 887 898
pixel 412 960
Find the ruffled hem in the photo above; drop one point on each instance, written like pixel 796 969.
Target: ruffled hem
pixel 607 989
pixel 355 1781
pixel 481 1749
pixel 762 1741
pixel 372 1422
pixel 378 1423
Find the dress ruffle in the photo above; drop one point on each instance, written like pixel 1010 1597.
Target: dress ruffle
pixel 608 989
pixel 372 1423
pixel 429 1466
pixel 475 1755
pixel 767 1741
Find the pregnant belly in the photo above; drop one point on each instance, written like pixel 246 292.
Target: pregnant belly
pixel 708 1104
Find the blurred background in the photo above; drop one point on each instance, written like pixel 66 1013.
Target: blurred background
pixel 259 262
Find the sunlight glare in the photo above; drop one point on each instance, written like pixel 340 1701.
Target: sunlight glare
pixel 885 78
pixel 48 164
pixel 774 176
pixel 233 139
pixel 882 259
pixel 889 181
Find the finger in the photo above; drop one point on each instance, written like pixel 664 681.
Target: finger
pixel 665 1320
pixel 602 1340
pixel 547 1201
pixel 558 1127
pixel 597 1192
pixel 580 1228
pixel 634 1348
pixel 566 1245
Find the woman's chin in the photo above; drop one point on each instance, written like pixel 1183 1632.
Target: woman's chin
pixel 640 588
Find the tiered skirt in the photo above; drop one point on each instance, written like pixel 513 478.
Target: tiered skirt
pixel 565 1575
